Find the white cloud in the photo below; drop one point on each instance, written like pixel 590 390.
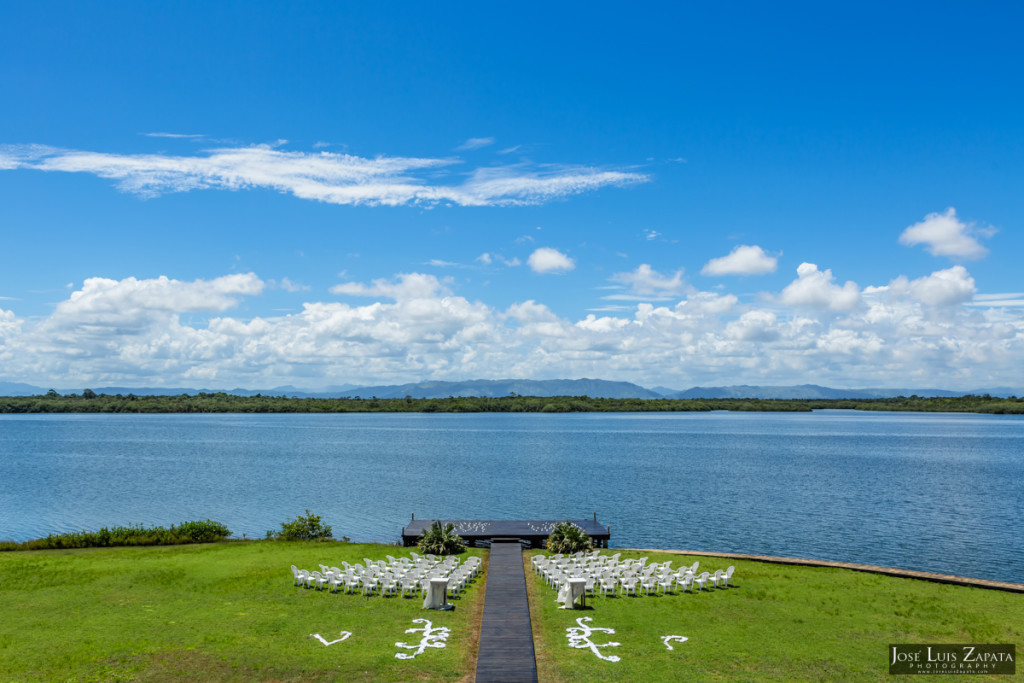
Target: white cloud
pixel 754 326
pixel 167 332
pixel 944 287
pixel 943 234
pixel 817 289
pixel 10 325
pixel 129 296
pixel 487 259
pixel 999 300
pixel 406 286
pixel 323 176
pixel 289 286
pixel 742 260
pixel 518 185
pixel 475 143
pixel 187 136
pixel 548 260
pixel 645 282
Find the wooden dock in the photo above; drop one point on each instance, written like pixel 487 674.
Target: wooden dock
pixel 506 634
pixel 532 533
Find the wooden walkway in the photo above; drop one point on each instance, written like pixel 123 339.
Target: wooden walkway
pixel 506 634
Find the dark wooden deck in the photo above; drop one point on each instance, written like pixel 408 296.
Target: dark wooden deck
pixel 533 533
pixel 506 634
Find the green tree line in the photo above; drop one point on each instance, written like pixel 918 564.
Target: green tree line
pixel 91 402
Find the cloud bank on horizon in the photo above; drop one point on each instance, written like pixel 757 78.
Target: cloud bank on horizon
pixel 137 331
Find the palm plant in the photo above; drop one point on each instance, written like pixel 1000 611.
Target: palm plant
pixel 568 538
pixel 441 540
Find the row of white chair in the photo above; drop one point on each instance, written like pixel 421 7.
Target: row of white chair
pixel 628 577
pixel 405 575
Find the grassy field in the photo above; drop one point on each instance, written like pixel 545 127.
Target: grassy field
pixel 775 622
pixel 214 612
pixel 229 612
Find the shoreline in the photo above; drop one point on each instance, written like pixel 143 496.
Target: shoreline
pixel 868 568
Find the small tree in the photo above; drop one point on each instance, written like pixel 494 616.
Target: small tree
pixel 568 538
pixel 441 540
pixel 308 528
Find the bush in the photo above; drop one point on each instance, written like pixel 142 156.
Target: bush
pixel 201 532
pixel 308 528
pixel 568 538
pixel 205 531
pixel 441 540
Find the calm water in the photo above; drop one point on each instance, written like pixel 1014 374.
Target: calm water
pixel 931 492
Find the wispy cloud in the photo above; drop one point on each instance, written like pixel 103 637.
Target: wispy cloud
pixel 403 287
pixel 1011 299
pixel 289 286
pixel 323 176
pixel 647 284
pixel 488 258
pixel 189 136
pixel 475 143
pixel 608 309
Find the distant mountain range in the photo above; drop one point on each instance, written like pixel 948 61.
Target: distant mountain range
pixel 595 388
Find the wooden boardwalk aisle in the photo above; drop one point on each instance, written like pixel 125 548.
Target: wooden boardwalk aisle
pixel 506 634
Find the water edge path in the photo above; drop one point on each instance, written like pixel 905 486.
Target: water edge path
pixel 506 633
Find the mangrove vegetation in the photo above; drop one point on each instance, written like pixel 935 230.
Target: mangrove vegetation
pixel 91 402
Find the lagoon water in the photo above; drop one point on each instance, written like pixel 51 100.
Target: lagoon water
pixel 933 492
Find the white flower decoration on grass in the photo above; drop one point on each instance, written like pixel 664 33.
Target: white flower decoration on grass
pixel 668 639
pixel 579 637
pixel 344 636
pixel 432 637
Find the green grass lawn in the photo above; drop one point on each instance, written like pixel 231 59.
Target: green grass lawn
pixel 229 612
pixel 776 622
pixel 214 612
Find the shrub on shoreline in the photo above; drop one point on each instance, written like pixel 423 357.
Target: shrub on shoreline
pixel 205 531
pixel 303 528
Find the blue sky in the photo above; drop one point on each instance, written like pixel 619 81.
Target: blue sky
pixel 255 195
